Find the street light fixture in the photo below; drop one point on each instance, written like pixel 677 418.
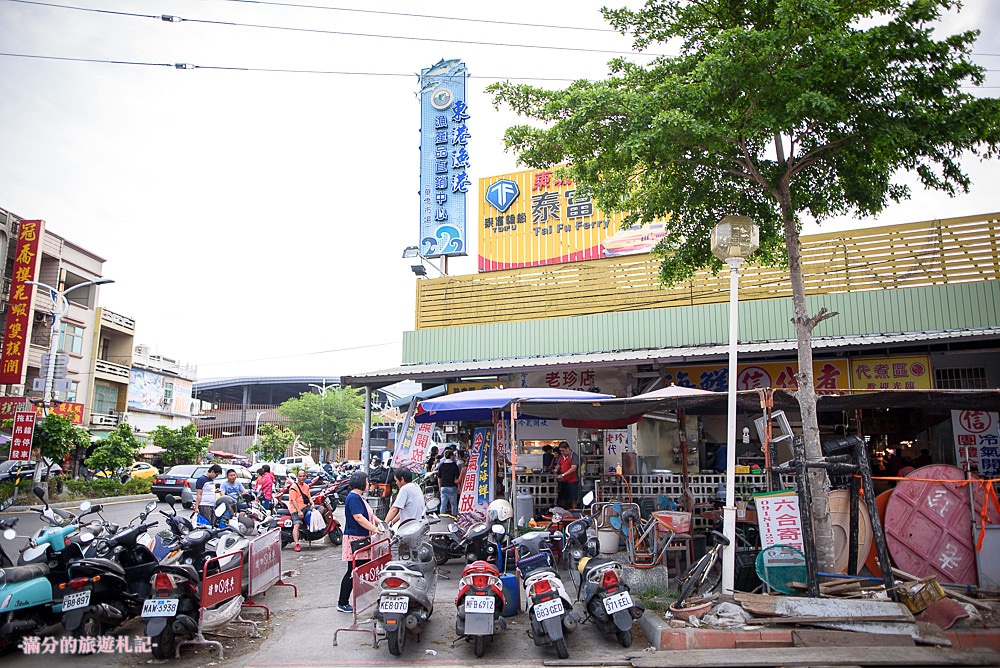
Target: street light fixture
pixel 420 269
pixel 734 239
pixel 60 308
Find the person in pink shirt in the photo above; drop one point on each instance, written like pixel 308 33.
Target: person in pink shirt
pixel 265 485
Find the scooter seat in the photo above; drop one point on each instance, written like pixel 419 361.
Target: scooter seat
pixel 184 570
pixel 96 564
pixel 24 573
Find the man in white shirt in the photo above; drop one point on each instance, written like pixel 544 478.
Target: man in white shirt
pixel 409 503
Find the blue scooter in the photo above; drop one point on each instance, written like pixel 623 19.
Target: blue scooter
pixel 29 592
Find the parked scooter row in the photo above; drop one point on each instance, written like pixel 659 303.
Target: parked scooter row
pixel 408 583
pixel 92 575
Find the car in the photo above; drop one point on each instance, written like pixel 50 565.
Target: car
pixel 180 481
pixel 136 470
pixel 296 463
pixel 12 468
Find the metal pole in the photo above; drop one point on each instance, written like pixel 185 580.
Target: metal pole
pixel 366 434
pixel 729 510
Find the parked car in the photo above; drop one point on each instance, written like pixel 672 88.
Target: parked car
pixel 137 470
pixel 180 481
pixel 11 469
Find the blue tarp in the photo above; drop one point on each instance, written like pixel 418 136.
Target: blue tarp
pixel 478 405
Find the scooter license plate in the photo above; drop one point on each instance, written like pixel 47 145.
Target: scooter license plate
pixel 617 603
pixel 80 599
pixel 480 604
pixel 159 607
pixel 548 609
pixel 393 604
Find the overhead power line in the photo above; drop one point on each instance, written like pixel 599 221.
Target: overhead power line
pixel 169 18
pixel 298 5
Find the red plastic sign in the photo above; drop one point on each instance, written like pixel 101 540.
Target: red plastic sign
pixel 222 586
pixel 24 431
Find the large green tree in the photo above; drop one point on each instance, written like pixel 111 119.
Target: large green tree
pixel 327 419
pixel 116 452
pixel 182 445
pixel 781 110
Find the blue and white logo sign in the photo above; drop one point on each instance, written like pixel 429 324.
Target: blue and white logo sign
pixel 502 194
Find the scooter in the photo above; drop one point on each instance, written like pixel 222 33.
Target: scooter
pixel 108 589
pixel 605 596
pixel 332 529
pixel 29 595
pixel 480 602
pixel 549 607
pixel 408 585
pixel 174 606
pixel 7 531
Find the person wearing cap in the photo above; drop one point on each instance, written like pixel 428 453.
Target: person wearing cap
pixel 205 489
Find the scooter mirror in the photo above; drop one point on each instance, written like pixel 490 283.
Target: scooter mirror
pixel 588 498
pixel 39 492
pixel 151 506
pixel 10 534
pixel 433 505
pixel 499 530
pixel 85 506
pixel 170 500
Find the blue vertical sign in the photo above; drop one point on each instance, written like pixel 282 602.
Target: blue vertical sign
pixel 444 159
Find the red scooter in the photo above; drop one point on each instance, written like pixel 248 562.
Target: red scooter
pixel 480 603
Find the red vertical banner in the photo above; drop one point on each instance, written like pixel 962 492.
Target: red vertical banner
pixel 15 337
pixel 24 431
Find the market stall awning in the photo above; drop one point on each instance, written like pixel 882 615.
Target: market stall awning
pixel 479 405
pixel 222 455
pixel 150 449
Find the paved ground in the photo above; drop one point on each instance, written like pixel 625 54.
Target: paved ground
pixel 301 628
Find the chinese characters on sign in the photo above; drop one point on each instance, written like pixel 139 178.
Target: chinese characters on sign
pixel 977 437
pixel 829 376
pixel 15 337
pixel 616 441
pixel 444 159
pixel 891 373
pixel 780 523
pixel 86 645
pixel 70 410
pixel 477 485
pixel 24 431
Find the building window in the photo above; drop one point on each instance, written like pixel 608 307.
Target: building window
pixel 168 393
pixel 970 378
pixel 72 339
pixel 105 399
pixel 74 388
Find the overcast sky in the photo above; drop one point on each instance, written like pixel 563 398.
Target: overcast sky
pixel 254 221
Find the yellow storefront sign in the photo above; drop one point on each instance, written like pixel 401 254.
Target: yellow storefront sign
pixel 536 217
pixel 892 373
pixel 829 376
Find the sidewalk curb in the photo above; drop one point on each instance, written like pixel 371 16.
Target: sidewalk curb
pixel 76 504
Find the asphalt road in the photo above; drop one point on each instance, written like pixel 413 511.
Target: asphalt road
pixel 301 627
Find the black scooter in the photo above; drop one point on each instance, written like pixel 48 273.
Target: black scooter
pixel 108 589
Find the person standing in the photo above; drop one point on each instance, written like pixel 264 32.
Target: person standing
pixel 547 458
pixel 265 485
pixel 232 487
pixel 569 482
pixel 359 523
pixel 299 502
pixel 205 489
pixel 448 477
pixel 409 503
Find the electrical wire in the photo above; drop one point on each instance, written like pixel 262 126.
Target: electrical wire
pixel 309 354
pixel 421 16
pixel 437 40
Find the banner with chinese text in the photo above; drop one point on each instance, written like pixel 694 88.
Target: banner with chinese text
pixel 476 489
pixel 24 431
pixel 411 447
pixel 70 410
pixel 616 441
pixel 780 522
pixel 16 332
pixel 977 437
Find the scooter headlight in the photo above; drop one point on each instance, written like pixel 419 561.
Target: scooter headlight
pixel 102 548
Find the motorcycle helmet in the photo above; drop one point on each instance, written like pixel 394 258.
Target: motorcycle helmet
pixel 501 510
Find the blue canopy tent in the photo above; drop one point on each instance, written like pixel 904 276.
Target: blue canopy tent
pixel 479 405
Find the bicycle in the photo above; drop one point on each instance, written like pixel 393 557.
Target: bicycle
pixel 704 575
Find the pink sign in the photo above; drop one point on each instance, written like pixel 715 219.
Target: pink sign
pixel 24 431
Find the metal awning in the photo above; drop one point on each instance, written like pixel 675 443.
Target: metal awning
pixel 444 370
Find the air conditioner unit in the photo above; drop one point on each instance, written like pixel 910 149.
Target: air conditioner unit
pixel 103 420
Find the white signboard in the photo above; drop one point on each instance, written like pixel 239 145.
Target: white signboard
pixel 977 437
pixel 616 441
pixel 779 520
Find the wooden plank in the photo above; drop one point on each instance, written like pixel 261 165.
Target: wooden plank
pixel 786 606
pixel 768 621
pixel 832 638
pixel 817 656
pixel 922 633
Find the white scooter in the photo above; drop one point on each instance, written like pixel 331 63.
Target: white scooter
pixel 549 606
pixel 408 584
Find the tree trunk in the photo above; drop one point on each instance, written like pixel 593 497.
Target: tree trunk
pixel 806 395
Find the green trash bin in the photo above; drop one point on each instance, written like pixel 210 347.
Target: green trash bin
pixel 779 566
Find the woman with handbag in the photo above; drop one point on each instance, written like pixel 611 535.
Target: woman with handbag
pixel 359 526
pixel 299 502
